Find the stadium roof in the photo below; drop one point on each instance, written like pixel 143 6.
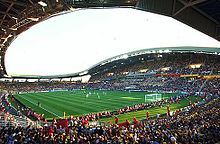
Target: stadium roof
pixel 92 69
pixel 17 16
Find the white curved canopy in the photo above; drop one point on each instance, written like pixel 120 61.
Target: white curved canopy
pixel 74 42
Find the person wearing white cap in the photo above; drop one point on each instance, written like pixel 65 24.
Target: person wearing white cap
pixel 173 140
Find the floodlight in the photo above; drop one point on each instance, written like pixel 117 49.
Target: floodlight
pixel 125 56
pixel 13 28
pixel 72 9
pixel 42 3
pixel 33 19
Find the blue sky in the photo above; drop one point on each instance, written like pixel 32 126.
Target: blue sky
pixel 73 42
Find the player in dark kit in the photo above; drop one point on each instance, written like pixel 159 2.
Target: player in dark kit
pixel 38 104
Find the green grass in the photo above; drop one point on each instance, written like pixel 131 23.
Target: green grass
pixel 75 103
pixel 152 111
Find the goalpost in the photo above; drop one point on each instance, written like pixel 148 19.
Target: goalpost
pixel 155 96
pixel 57 89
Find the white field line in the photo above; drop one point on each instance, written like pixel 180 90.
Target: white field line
pixel 42 107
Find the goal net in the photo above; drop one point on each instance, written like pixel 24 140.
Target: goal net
pixel 57 89
pixel 152 97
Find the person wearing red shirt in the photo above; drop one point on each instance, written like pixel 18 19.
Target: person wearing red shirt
pixel 41 117
pixel 83 117
pixel 194 104
pixel 116 120
pixel 189 102
pixel 196 100
pixel 45 121
pixel 85 122
pixel 147 113
pixel 127 123
pixel 37 116
pixel 168 108
pixel 135 120
pixel 54 122
pixel 51 130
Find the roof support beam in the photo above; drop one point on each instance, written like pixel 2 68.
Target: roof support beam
pixel 200 11
pixel 31 2
pixel 217 31
pixel 5 20
pixel 137 3
pixel 8 14
pixel 8 9
pixel 16 3
pixel 188 4
pixel 174 6
pixel 206 15
pixel 217 36
pixel 197 2
pixel 4 27
pixel 13 9
pixel 180 10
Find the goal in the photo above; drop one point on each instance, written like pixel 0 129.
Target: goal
pixel 152 97
pixel 57 89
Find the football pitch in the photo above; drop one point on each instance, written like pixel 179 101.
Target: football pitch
pixel 79 102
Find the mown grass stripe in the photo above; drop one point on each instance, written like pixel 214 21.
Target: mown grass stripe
pixel 75 102
pixel 42 107
pixel 92 103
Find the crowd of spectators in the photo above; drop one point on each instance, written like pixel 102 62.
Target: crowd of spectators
pixel 156 77
pixel 176 62
pixel 199 124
